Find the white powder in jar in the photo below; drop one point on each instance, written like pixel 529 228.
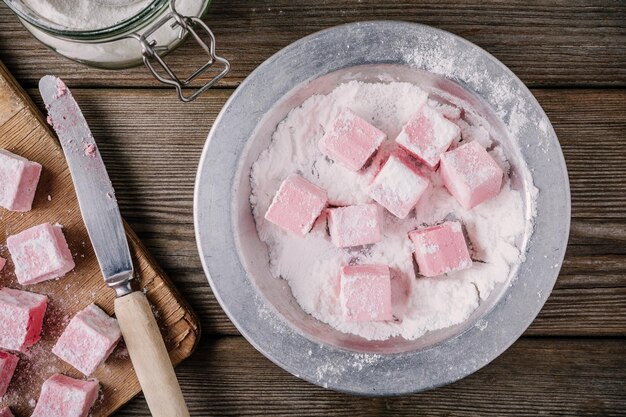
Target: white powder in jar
pixel 311 264
pixel 119 53
pixel 87 14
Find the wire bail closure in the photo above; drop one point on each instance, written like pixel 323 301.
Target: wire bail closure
pixel 151 51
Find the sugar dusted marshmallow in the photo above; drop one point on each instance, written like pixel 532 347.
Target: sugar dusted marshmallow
pixel 8 363
pixel 88 340
pixel 6 412
pixel 296 205
pixel 39 254
pixel 351 140
pixel 398 186
pixel 18 181
pixel 354 225
pixel 471 174
pixel 365 293
pixel 448 111
pixel 62 396
pixel 440 249
pixel 427 135
pixel 21 318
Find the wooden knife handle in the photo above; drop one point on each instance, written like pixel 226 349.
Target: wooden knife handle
pixel 149 356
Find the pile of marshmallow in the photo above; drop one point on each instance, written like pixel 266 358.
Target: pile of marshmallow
pixel 39 254
pixel 427 142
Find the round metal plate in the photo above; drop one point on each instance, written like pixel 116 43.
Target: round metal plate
pixel 235 260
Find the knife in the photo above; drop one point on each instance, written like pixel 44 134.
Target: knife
pixel 102 218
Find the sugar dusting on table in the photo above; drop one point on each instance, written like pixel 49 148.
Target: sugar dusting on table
pixel 311 264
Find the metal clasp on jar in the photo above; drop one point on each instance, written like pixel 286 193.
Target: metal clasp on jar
pixel 151 52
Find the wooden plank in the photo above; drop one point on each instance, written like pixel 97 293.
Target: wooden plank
pixel 547 43
pixel 535 376
pixel 152 154
pixel 24 132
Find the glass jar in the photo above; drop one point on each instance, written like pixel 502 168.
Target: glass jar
pixel 146 36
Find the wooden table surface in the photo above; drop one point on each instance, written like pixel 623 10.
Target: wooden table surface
pixel 572 54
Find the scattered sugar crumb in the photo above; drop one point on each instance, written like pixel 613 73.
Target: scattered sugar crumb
pixel 90 150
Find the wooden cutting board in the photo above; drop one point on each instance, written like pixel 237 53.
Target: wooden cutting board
pixel 24 132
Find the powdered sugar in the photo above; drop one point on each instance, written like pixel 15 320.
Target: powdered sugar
pixel 311 264
pixel 87 14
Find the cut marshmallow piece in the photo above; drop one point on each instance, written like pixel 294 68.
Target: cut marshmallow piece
pixel 21 318
pixel 6 412
pixel 351 140
pixel 354 225
pixel 296 205
pixel 3 262
pixel 8 363
pixel 39 254
pixel 18 181
pixel 440 249
pixel 398 186
pixel 449 111
pixel 88 339
pixel 62 396
pixel 427 135
pixel 365 293
pixel 471 175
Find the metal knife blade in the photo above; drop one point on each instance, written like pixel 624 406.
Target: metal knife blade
pixel 94 190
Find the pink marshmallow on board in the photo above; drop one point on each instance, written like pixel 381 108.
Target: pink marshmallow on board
pixel 88 339
pixel 8 363
pixel 365 293
pixel 18 181
pixel 398 186
pixel 6 412
pixel 3 262
pixel 471 174
pixel 62 396
pixel 440 249
pixel 40 253
pixel 351 141
pixel 354 225
pixel 427 135
pixel 21 318
pixel 296 205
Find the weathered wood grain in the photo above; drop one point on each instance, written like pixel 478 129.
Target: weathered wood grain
pixel 152 153
pixel 547 43
pixel 535 376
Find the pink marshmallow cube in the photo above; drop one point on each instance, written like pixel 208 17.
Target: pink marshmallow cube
pixel 427 135
pixel 365 293
pixel 6 412
pixel 39 254
pixel 62 396
pixel 3 262
pixel 398 186
pixel 296 205
pixel 471 174
pixel 8 363
pixel 21 318
pixel 440 249
pixel 351 141
pixel 88 339
pixel 18 181
pixel 354 225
